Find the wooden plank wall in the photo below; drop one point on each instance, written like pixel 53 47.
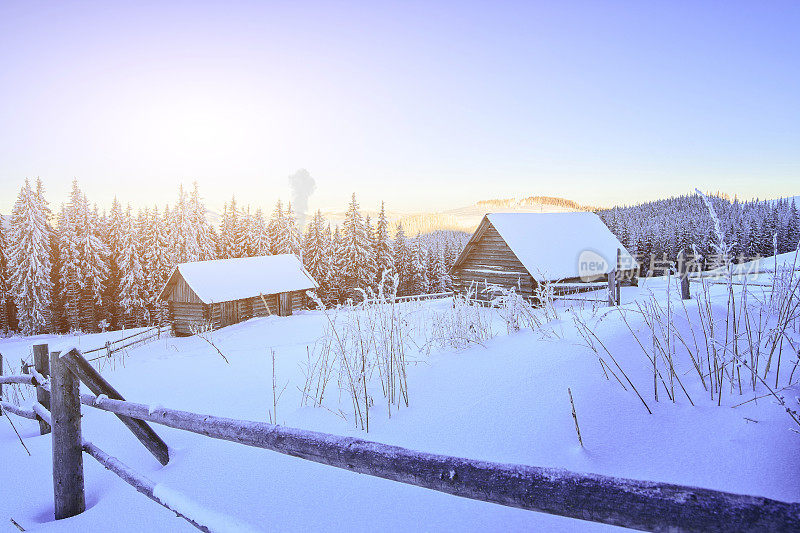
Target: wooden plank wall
pixel 299 301
pixel 181 292
pixel 491 260
pixel 184 315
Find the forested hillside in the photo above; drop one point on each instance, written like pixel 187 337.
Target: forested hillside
pixel 659 230
pixel 86 269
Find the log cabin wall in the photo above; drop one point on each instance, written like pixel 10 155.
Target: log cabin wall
pixel 488 259
pixel 188 312
pixel 299 301
pixel 187 315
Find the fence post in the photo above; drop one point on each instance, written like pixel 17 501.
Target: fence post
pixel 1 387
pixel 683 269
pixel 41 361
pixel 68 489
pixel 619 276
pixel 612 278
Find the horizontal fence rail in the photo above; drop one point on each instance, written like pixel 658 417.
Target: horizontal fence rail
pixel 140 337
pixel 644 505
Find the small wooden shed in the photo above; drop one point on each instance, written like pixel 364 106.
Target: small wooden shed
pixel 226 291
pixel 521 250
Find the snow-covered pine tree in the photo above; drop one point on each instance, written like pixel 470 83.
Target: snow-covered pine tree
pixel 792 229
pixel 115 227
pixel 243 236
pixel 260 244
pixel 315 247
pixel 141 230
pixel 402 260
pixel 184 233
pixel 340 289
pixel 29 260
pixel 158 266
pixel 294 239
pixel 382 251
pixel 356 252
pixel 278 234
pixel 372 265
pixel 417 279
pixel 5 292
pixel 132 284
pixel 444 282
pixel 94 266
pixel 70 237
pixel 202 230
pixel 228 229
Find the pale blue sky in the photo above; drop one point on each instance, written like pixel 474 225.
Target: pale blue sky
pixel 427 105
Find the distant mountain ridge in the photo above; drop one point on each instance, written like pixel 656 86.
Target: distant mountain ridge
pixel 466 219
pixel 533 201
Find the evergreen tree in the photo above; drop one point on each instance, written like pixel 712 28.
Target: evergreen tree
pixel 203 236
pixel 260 244
pixel 402 261
pixel 372 265
pixel 417 276
pixel 158 266
pixel 792 229
pixel 356 252
pixel 29 260
pixel 293 239
pixel 94 268
pixel 114 231
pixel 132 285
pixel 277 231
pixel 337 284
pixel 382 254
pixel 5 289
pixel 315 248
pixel 229 231
pixel 243 236
pixel 70 236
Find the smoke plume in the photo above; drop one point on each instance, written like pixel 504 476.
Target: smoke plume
pixel 302 186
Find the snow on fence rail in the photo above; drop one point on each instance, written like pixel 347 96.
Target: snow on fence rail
pixel 140 337
pixel 628 503
pixel 411 298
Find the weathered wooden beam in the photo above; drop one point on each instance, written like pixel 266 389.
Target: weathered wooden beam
pixel 628 503
pixel 139 482
pixel 17 410
pixel 16 380
pixel 41 361
pixel 65 405
pixel 98 385
pixel 683 270
pixel 618 276
pixel 612 278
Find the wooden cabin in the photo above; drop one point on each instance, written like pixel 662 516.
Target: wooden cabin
pixel 226 291
pixel 521 250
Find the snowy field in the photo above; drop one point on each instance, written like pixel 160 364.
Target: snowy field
pixel 502 398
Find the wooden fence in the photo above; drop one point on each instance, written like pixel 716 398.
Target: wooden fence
pixel 643 505
pixel 136 339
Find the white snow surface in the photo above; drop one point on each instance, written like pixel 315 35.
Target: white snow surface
pixel 214 521
pixel 550 244
pixel 505 400
pixel 223 280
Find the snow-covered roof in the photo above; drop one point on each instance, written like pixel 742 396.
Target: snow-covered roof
pixel 555 246
pixel 224 280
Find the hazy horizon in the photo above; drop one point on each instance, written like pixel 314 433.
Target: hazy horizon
pixel 428 107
